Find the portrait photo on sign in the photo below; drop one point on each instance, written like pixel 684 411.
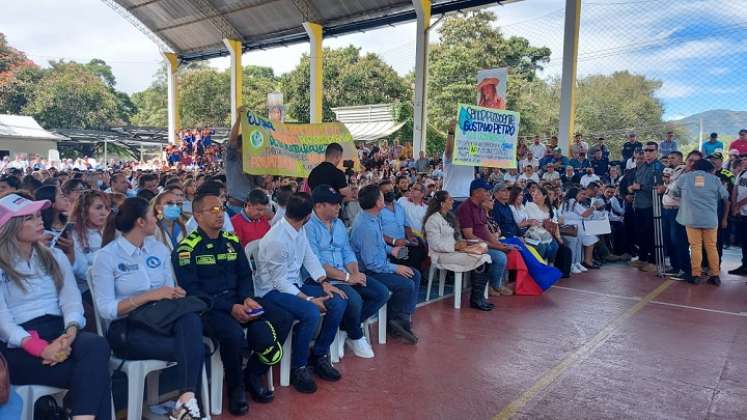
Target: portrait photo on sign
pixel 491 88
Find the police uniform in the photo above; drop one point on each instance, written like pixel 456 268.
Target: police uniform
pixel 217 270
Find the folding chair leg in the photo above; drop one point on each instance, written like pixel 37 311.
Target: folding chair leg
pixel 457 290
pixel 216 384
pixel 285 362
pixel 205 395
pixel 441 282
pixel 431 273
pixel 382 324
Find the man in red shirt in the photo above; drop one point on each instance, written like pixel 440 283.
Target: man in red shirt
pixel 473 219
pixel 251 224
pixel 740 144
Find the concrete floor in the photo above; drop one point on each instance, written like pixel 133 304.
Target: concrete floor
pixel 609 344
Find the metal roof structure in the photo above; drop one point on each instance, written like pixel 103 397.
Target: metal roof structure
pixel 25 127
pixel 369 122
pixel 195 29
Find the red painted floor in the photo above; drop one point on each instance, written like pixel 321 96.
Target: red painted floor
pixel 669 360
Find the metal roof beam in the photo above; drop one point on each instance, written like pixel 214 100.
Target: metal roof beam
pixel 226 29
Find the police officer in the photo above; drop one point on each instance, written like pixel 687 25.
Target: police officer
pixel 211 264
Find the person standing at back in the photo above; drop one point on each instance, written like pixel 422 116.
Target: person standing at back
pixel 712 146
pixel 647 175
pixel 238 183
pixel 456 178
pixel 327 173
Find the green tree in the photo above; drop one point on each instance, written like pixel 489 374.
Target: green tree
pixel 18 76
pixel 258 81
pixel 69 95
pixel 470 43
pixel 204 98
pixel 349 79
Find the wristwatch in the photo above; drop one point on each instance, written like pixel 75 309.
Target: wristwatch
pixel 309 298
pixel 347 277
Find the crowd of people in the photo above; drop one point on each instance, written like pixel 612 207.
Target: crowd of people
pixel 327 252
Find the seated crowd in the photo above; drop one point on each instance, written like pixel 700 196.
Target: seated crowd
pixel 77 245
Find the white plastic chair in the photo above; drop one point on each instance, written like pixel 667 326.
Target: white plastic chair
pixel 138 371
pixel 459 278
pixel 31 393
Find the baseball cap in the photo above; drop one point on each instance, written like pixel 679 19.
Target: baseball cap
pixel 717 155
pixel 13 205
pixel 714 135
pixel 477 184
pixel 499 186
pixel 325 194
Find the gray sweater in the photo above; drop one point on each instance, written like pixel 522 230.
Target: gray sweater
pixel 699 194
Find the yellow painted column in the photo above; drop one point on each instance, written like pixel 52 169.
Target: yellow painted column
pixel 237 75
pixel 314 31
pixel 174 119
pixel 568 81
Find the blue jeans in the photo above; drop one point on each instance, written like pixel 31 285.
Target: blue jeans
pixel 675 238
pixel 404 294
pixel 548 251
pixel 363 303
pixel 308 316
pixel 497 268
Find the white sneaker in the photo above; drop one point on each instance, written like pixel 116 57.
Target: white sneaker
pixel 361 348
pixel 187 411
pixel 575 269
pixel 581 267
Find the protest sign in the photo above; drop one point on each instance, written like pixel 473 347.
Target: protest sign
pixel 272 148
pixel 491 88
pixel 486 137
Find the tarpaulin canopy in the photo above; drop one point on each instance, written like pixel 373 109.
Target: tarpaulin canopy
pixel 369 122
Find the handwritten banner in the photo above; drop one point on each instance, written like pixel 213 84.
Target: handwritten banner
pixel 486 137
pixel 271 148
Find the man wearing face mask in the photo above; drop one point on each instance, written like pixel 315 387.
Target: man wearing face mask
pixel 397 229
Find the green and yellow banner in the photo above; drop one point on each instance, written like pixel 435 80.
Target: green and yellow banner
pixel 271 148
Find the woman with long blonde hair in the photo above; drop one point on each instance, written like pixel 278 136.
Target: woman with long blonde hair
pixel 170 229
pixel 89 215
pixel 41 315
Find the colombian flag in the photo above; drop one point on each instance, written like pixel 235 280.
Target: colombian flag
pixel 533 275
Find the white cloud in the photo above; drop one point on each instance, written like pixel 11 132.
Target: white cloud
pixel 675 90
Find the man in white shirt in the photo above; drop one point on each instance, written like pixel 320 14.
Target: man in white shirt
pixel 529 175
pixel 415 208
pixel 283 252
pixel 537 148
pixel 579 146
pixel 551 175
pixel 456 177
pixel 589 177
pixel 529 160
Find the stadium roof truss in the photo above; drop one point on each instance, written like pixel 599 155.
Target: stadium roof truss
pixel 195 29
pixel 190 30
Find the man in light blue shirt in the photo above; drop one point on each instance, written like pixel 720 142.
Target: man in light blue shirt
pixel 712 146
pixel 668 145
pixel 328 238
pixel 397 229
pixel 367 239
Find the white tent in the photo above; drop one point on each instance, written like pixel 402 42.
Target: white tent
pixel 20 134
pixel 368 122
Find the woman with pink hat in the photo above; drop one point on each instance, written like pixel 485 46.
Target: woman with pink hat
pixel 41 315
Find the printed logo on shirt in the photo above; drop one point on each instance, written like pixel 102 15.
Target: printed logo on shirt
pixel 153 262
pixel 127 267
pixel 700 181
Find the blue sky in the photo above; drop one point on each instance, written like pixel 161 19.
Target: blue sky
pixel 698 48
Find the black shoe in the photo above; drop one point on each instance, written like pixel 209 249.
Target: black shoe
pixel 590 267
pixel 714 280
pixel 692 279
pixel 302 380
pixel 398 329
pixel 323 368
pixel 740 271
pixel 482 306
pixel 237 404
pixel 258 391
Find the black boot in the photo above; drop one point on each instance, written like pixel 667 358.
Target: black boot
pixel 237 404
pixel 302 380
pixel 477 293
pixel 398 328
pixel 323 368
pixel 257 389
